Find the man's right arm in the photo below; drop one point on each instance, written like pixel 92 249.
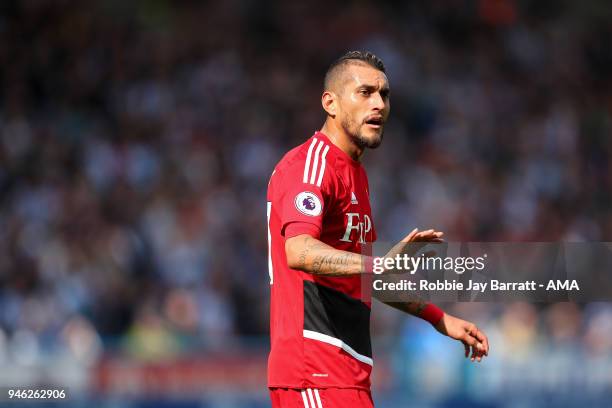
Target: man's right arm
pixel 309 254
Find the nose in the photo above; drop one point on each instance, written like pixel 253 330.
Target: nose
pixel 378 101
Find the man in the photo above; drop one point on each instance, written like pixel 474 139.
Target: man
pixel 319 219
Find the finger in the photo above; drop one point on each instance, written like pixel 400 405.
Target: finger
pixel 480 351
pixel 429 235
pixel 477 346
pixel 472 342
pixel 426 233
pixel 477 352
pixel 410 236
pixel 484 340
pixel 401 245
pixel 474 354
pixel 481 354
pixel 424 238
pixel 469 339
pixel 467 348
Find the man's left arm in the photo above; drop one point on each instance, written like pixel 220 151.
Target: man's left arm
pixel 466 332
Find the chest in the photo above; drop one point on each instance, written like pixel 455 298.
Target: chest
pixel 350 219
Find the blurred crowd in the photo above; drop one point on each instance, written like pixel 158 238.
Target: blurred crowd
pixel 137 139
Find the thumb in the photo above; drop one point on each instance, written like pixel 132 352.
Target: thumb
pixel 410 236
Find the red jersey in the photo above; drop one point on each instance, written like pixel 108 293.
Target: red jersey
pixel 319 326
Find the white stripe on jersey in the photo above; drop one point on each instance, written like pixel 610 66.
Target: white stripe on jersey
pixel 318 398
pixel 308 156
pixel 322 166
pixel 310 398
pixel 315 165
pixel 304 399
pixel 311 175
pixel 309 334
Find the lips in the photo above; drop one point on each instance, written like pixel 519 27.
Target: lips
pixel 375 121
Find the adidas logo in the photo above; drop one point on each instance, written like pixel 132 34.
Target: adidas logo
pixel 353 198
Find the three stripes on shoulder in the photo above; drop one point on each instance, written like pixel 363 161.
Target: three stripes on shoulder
pixel 312 171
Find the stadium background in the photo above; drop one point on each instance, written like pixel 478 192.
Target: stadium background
pixel 136 143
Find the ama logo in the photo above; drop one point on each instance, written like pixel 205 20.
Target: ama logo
pixel 308 203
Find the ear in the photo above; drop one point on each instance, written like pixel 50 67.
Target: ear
pixel 330 103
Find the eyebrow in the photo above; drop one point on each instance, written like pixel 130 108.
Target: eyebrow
pixel 384 91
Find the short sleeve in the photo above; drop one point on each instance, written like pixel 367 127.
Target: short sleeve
pixel 298 228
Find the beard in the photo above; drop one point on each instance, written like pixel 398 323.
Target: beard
pixel 354 130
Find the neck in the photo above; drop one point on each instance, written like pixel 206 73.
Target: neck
pixel 341 139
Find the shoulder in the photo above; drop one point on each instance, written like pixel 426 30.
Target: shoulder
pixel 309 163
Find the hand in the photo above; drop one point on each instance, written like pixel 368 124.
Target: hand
pixel 467 333
pixel 415 235
pixel 430 235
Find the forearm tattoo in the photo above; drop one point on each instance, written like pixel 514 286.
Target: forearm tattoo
pixel 326 264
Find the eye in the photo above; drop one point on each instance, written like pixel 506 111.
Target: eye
pixel 364 92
